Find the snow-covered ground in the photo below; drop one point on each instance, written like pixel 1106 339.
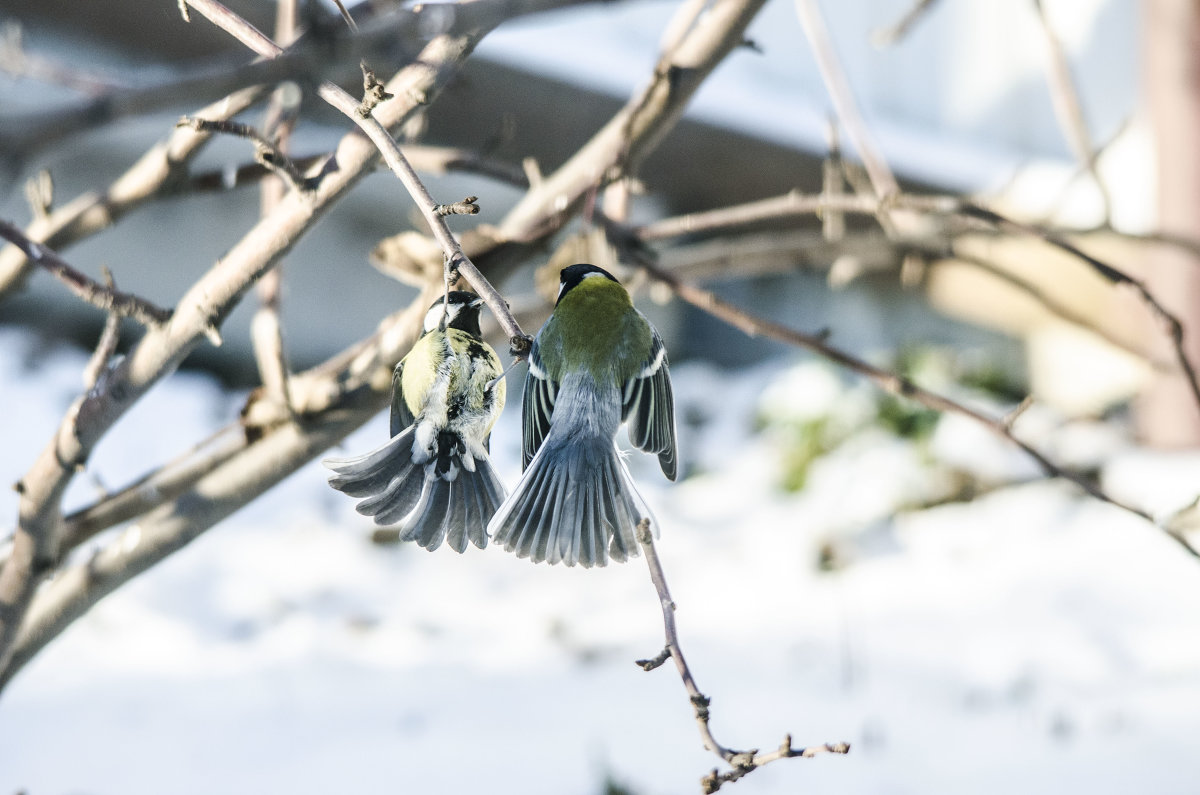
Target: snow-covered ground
pixel 1031 641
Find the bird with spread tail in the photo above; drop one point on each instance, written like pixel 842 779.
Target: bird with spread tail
pixel 433 478
pixel 597 362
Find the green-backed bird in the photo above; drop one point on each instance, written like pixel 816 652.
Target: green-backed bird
pixel 596 363
pixel 433 477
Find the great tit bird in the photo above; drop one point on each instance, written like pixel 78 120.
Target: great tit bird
pixel 433 477
pixel 596 363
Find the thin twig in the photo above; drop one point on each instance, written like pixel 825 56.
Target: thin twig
pixel 1069 109
pixel 842 97
pixel 885 37
pixel 107 345
pixel 895 384
pixel 86 288
pixel 349 20
pixel 742 762
pixel 266 152
pixel 39 192
pixel 373 92
pixel 1169 321
pixel 465 207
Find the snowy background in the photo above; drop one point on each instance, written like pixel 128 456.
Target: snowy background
pixel 1031 641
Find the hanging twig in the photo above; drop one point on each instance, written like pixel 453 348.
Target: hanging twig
pixel 742 762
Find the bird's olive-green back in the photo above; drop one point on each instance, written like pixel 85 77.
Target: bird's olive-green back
pixel 595 327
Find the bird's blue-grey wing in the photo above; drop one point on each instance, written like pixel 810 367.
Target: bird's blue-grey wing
pixel 648 405
pixel 537 406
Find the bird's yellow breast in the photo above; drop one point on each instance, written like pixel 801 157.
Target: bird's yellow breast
pixel 458 365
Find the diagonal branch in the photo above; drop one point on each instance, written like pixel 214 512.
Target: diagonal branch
pixel 885 37
pixel 458 261
pixel 102 297
pixel 1171 324
pixel 891 382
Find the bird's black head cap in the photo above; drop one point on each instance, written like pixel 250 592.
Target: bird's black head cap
pixel 574 274
pixel 462 313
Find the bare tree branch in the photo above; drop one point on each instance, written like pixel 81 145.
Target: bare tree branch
pixel 1171 324
pixel 936 241
pixel 798 204
pixel 266 328
pixel 159 352
pixel 628 137
pixel 153 175
pixel 426 158
pixel 891 382
pixel 267 153
pixel 229 472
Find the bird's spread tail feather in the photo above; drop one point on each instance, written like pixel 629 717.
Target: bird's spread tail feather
pixel 576 503
pixel 434 495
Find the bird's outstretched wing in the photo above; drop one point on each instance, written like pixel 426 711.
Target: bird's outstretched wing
pixel 537 406
pixel 648 405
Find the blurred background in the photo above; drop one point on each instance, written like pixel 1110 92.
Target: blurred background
pixel 848 565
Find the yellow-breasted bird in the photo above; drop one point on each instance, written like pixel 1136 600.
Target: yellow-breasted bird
pixel 433 477
pixel 596 363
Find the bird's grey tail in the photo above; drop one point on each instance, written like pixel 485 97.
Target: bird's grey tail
pixel 432 495
pixel 576 503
